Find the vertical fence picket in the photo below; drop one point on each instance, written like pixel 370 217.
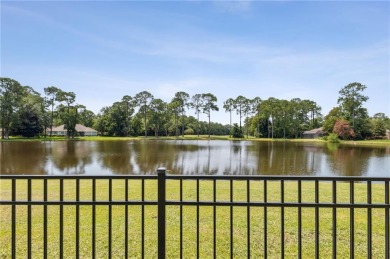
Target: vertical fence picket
pixel 231 220
pixel 387 221
pixel 197 219
pixel 299 219
pixel 248 218
pixel 369 221
pixel 282 219
pixel 181 219
pixel 317 221
pixel 126 252
pixel 143 218
pixel 93 218
pixel 352 220
pixel 45 219
pixel 29 232
pixel 334 220
pixel 215 218
pixel 109 218
pixel 61 219
pixel 77 218
pixel 13 218
pixel 161 174
pixel 265 235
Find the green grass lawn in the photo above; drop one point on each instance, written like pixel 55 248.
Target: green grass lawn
pixel 377 143
pixel 240 224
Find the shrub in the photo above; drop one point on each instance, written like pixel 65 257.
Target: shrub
pixel 333 138
pixel 189 131
pixel 236 131
pixel 343 129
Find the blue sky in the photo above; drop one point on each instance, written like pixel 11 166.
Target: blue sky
pixel 284 49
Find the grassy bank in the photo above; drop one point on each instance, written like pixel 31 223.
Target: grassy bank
pixel 377 143
pixel 189 224
pixel 186 137
pixel 11 139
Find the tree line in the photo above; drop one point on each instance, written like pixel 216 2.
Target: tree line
pixel 25 112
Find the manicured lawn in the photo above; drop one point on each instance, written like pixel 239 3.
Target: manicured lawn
pixel 35 139
pixel 377 143
pixel 240 224
pixel 186 137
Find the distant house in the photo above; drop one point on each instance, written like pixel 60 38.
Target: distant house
pixel 81 130
pixel 388 134
pixel 314 133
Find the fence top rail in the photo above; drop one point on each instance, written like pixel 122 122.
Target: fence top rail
pixel 71 177
pixel 279 178
pixel 206 177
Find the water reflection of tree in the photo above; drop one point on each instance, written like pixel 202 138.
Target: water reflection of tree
pixel 174 155
pixel 116 156
pixel 237 151
pixel 200 157
pixel 23 158
pixel 280 158
pixel 145 157
pixel 71 157
pixel 189 157
pixel 349 160
pixel 240 160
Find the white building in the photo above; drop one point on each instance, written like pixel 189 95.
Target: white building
pixel 81 130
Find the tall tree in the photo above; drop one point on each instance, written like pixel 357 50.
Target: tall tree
pixel 269 109
pixel 112 120
pixel 239 104
pixel 379 123
pixel 315 111
pixel 182 98
pixel 247 109
pixel 330 119
pixel 351 100
pixel 143 100
pixel 86 117
pixel 196 104
pixel 228 105
pixel 30 114
pixel 68 112
pixel 174 109
pixel 209 104
pixel 158 110
pixel 11 93
pixel 256 110
pixel 378 127
pixel 283 115
pixel 52 93
pixel 128 104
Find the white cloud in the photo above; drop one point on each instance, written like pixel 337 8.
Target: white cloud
pixel 225 65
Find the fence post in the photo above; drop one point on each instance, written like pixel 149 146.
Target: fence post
pixel 161 172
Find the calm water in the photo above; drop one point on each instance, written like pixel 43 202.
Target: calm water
pixel 192 157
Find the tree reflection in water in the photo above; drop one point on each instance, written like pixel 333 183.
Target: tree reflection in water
pixel 192 157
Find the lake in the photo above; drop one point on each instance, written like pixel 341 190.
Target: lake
pixel 190 157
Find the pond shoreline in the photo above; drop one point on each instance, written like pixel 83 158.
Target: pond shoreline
pixel 380 142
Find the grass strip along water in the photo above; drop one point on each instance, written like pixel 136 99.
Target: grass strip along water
pixel 141 222
pixel 377 143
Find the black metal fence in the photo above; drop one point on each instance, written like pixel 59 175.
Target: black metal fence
pixel 175 216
